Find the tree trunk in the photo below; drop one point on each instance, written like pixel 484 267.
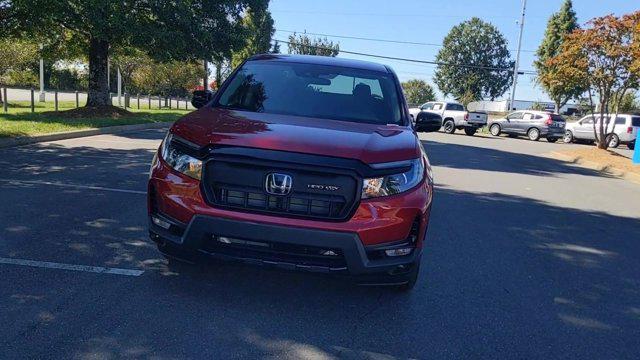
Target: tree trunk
pixel 98 94
pixel 557 103
pixel 205 82
pixel 601 139
pixel 218 74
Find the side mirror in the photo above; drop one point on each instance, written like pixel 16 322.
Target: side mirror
pixel 201 98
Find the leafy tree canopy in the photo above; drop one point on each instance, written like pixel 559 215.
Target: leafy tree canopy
pixel 628 103
pixel 173 78
pixel 560 24
pixel 304 45
pixel 259 28
pixel 481 47
pixel 418 91
pixel 15 56
pixel 165 30
pixel 606 57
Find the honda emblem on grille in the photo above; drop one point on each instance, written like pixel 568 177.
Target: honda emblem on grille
pixel 278 184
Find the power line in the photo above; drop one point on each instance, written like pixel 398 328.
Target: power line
pixel 479 67
pixel 360 38
pixel 362 14
pixel 373 39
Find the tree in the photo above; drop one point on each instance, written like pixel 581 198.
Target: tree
pixel 560 90
pixel 15 56
pixel 165 30
pixel 418 91
pixel 538 106
pixel 259 26
pixel 174 78
pixel 605 57
pixel 128 60
pixel 628 103
pixel 304 45
pixel 474 62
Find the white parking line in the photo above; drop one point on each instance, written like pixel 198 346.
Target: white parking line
pixel 85 268
pixel 77 186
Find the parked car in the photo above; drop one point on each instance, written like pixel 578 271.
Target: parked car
pixel 623 130
pixel 427 121
pixel 454 116
pixel 299 162
pixel 533 124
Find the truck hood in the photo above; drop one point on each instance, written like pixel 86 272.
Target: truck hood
pixel 368 143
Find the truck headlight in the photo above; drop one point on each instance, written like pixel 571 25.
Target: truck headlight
pixel 394 184
pixel 180 161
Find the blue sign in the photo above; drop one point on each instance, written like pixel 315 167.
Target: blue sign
pixel 636 152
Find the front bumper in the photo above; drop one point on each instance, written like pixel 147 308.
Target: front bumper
pixel 376 221
pixel 375 225
pixel 263 244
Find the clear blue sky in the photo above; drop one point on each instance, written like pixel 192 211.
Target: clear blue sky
pixel 429 21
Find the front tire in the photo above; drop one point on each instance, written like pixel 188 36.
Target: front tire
pixel 631 145
pixel 470 131
pixel 533 134
pixel 568 137
pixel 449 126
pixel 613 140
pixel 495 130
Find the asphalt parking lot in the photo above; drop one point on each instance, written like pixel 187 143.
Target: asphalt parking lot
pixel 526 257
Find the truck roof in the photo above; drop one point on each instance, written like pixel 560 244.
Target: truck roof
pixel 322 60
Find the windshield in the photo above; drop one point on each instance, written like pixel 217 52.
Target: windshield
pixel 311 90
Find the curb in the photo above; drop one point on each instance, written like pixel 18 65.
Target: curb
pixel 26 140
pixel 596 166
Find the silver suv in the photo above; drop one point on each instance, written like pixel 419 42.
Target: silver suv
pixel 533 124
pixel 622 131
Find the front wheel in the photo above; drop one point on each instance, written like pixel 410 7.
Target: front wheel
pixel 470 131
pixel 613 141
pixel 449 127
pixel 533 134
pixel 495 130
pixel 552 139
pixel 568 137
pixel 631 145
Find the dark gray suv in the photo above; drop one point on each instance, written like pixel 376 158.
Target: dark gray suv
pixel 533 124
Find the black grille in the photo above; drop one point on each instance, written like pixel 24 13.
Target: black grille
pixel 279 253
pixel 240 185
pixel 300 204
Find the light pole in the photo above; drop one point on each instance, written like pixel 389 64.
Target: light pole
pixel 515 67
pixel 119 86
pixel 41 96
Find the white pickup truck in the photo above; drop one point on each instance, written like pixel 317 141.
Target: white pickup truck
pixel 454 116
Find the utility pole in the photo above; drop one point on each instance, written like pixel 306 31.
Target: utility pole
pixel 41 96
pixel 109 75
pixel 517 64
pixel 119 86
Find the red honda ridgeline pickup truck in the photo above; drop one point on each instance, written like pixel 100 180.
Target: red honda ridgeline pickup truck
pixel 299 162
